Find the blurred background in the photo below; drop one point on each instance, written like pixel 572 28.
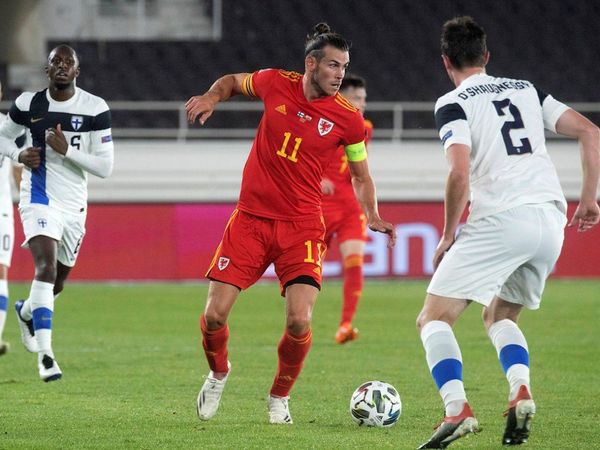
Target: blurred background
pixel 161 214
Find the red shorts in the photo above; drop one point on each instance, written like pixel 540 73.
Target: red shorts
pixel 251 243
pixel 345 225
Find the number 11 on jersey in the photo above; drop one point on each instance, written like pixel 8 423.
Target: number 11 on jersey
pixel 282 151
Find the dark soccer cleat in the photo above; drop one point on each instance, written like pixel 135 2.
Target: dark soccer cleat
pixel 4 347
pixel 48 368
pixel 518 418
pixel 453 428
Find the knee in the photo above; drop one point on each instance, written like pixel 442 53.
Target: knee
pixel 298 324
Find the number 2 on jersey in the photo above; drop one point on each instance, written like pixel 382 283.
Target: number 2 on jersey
pixel 282 151
pixel 509 125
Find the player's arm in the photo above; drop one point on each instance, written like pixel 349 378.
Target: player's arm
pixel 364 188
pixel 573 124
pixel 99 158
pixel 11 128
pixel 455 198
pixel 201 107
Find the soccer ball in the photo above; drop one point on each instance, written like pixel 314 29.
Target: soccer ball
pixel 375 404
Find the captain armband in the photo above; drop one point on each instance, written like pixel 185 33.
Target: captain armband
pixel 356 152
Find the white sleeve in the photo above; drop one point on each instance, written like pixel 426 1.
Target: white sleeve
pixel 100 160
pixel 451 121
pixel 9 131
pixel 552 109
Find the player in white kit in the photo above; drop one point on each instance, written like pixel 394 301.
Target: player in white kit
pixel 7 234
pixel 492 130
pixel 71 133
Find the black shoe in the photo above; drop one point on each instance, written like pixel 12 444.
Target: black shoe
pixel 453 428
pixel 518 418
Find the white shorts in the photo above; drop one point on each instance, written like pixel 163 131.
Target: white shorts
pixel 7 237
pixel 509 255
pixel 66 228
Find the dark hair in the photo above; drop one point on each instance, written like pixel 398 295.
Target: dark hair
pixel 322 36
pixel 353 81
pixel 464 42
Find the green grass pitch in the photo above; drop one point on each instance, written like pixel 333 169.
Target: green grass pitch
pixel 132 363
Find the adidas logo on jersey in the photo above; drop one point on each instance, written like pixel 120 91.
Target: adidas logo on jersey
pixel 281 109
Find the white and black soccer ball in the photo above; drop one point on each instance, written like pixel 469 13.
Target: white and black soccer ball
pixel 375 404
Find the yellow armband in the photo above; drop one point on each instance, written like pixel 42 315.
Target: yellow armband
pixel 356 152
pixel 248 87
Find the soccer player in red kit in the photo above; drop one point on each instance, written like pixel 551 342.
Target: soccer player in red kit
pixel 344 217
pixel 278 217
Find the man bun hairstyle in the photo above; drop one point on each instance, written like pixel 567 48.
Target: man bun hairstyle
pixel 464 42
pixel 321 36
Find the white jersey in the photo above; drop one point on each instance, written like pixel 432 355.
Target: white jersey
pixel 61 181
pixel 6 205
pixel 502 121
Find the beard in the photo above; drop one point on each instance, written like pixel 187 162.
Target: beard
pixel 62 86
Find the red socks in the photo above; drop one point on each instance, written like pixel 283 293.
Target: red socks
pixel 353 284
pixel 214 343
pixel 292 351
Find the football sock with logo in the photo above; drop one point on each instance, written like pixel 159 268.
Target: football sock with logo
pixel 445 364
pixel 353 285
pixel 3 304
pixel 214 343
pixel 513 353
pixel 292 351
pixel 42 306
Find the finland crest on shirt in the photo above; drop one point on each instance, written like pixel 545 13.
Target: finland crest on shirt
pixel 502 121
pixel 86 123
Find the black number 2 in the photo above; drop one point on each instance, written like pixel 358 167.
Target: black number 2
pixel 516 124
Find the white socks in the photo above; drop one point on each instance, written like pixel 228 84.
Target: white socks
pixel 41 300
pixel 445 364
pixel 513 354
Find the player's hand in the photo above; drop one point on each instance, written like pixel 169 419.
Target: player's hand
pixel 57 140
pixel 381 226
pixel 441 249
pixel 586 216
pixel 200 107
pixel 31 157
pixel 327 186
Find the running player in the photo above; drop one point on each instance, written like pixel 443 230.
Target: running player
pixel 343 216
pixel 71 133
pixel 7 232
pixel 278 217
pixel 492 130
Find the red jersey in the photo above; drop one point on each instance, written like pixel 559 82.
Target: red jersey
pixel 343 197
pixel 294 143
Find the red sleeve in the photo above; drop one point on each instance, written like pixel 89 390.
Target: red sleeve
pixel 257 84
pixel 356 130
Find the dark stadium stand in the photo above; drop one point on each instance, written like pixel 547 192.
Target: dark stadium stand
pixel 396 47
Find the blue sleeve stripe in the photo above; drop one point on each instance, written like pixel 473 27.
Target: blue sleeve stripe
pixel 449 113
pixel 18 116
pixel 102 121
pixel 513 354
pixel 42 319
pixel 541 95
pixel 446 370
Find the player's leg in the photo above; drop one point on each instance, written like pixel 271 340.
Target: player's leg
pixel 215 335
pixel 62 272
pixel 352 252
pixel 6 247
pixel 444 360
pixel 298 266
pixel 3 306
pixel 543 225
pixel 41 301
pixel 239 262
pixel 294 345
